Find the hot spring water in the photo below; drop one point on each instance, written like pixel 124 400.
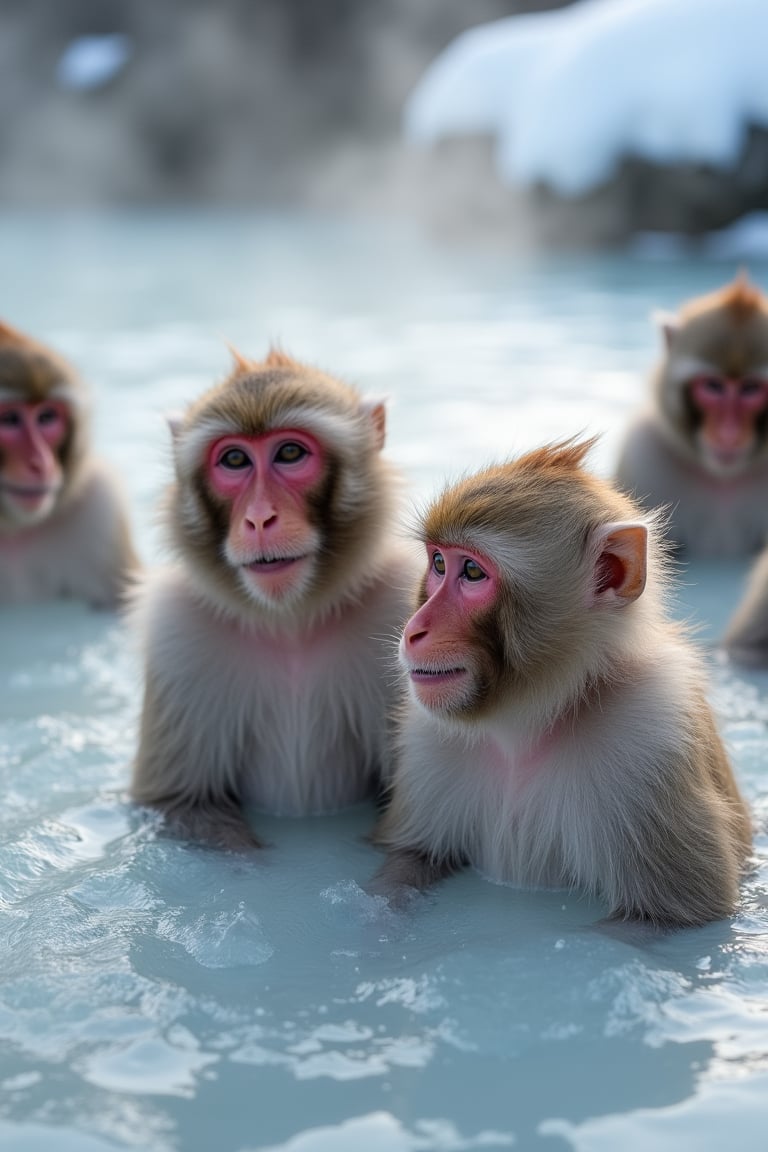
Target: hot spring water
pixel 155 995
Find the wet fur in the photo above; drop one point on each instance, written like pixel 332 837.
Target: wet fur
pixel 597 765
pixel 283 708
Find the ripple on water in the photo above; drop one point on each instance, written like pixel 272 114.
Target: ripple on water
pixel 225 939
pixel 382 1132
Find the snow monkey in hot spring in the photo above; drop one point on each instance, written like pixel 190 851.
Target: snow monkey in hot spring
pixel 63 521
pixel 267 644
pixel 701 449
pixel 558 732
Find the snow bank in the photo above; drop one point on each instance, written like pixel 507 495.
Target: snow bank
pixel 567 93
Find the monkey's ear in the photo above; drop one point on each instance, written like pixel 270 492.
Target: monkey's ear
pixel 376 412
pixel 668 324
pixel 622 563
pixel 174 420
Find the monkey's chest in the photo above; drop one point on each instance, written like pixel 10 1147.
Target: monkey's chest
pixel 312 741
pixel 725 522
pixel 517 820
pixel 506 847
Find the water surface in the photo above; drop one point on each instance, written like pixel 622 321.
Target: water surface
pixel 158 996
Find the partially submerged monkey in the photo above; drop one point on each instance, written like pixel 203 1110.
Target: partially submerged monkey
pixel 266 644
pixel 701 448
pixel 63 521
pixel 557 731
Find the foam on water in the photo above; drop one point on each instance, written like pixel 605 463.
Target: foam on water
pixel 155 995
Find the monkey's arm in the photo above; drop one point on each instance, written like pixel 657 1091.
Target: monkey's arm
pixel 677 859
pixel 219 823
pixel 406 869
pixel 189 757
pixel 181 770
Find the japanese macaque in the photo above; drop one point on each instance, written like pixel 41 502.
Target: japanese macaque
pixel 268 677
pixel 701 449
pixel 557 731
pixel 63 522
pixel 746 637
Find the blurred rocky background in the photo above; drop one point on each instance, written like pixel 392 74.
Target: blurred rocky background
pixel 283 103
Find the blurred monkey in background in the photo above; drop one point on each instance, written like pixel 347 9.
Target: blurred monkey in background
pixel 701 448
pixel 63 521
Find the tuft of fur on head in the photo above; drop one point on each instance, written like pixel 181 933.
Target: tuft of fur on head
pixel 356 501
pixel 538 518
pixel 741 299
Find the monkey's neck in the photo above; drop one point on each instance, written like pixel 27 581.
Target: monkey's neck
pixel 529 736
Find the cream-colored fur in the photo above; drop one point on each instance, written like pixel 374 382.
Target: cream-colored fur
pixel 596 765
pixel 82 550
pixel 712 511
pixel 79 545
pixel 284 705
pixel 291 722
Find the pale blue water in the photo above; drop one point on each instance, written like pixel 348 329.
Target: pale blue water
pixel 157 996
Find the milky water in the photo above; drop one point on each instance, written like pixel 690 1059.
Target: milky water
pixel 154 995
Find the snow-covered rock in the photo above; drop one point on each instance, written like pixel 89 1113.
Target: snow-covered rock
pixel 610 91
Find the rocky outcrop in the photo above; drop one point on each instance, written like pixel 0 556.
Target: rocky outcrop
pixel 237 101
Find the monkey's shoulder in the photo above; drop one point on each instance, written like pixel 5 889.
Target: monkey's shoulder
pixel 83 550
pixel 649 462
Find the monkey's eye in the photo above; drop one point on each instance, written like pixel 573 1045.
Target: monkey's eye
pixel 472 571
pixel 290 453
pixel 10 419
pixel 438 563
pixel 750 386
pixel 234 458
pixel 712 384
pixel 47 416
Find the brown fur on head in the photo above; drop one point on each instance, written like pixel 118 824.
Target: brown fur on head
pixel 350 506
pixel 31 371
pixel 541 520
pixel 741 299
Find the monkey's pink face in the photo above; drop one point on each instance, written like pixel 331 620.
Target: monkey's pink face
pixel 266 481
pixel 729 410
pixel 31 436
pixel 439 648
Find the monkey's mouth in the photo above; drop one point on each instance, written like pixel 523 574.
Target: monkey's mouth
pixel 270 564
pixel 28 495
pixel 435 675
pixel 729 457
